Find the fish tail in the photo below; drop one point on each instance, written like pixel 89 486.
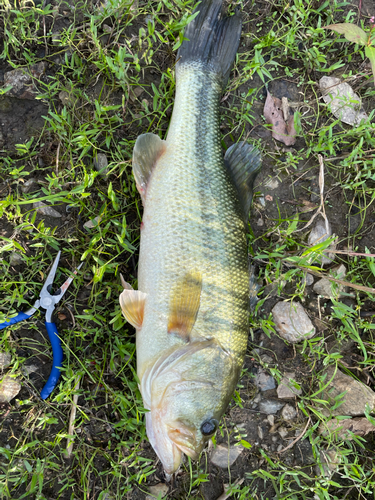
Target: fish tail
pixel 212 39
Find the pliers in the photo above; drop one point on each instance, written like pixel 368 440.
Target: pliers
pixel 48 301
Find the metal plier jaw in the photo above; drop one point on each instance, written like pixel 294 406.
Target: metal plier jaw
pixel 48 301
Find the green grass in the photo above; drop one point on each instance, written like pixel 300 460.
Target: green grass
pixel 102 59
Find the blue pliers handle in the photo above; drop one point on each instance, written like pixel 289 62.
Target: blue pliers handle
pixel 48 301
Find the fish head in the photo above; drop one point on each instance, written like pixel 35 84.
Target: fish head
pixel 187 392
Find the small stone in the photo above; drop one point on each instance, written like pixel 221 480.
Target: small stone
pixel 67 98
pixel 28 369
pixel 101 164
pixel 262 201
pixel 5 360
pixel 292 322
pixel 15 259
pixel 319 234
pixel 260 222
pixel 44 209
pixel 224 457
pixel 283 432
pixel 93 222
pixel 9 388
pixel 159 490
pixel 135 92
pixel 271 419
pixel 28 185
pixel 288 412
pixel 308 279
pixel 286 389
pixel 260 432
pixel 264 381
pixel 272 184
pixel 266 359
pixel 356 396
pixel 330 289
pixel 272 289
pixel 270 406
pixel 280 447
pixel 330 460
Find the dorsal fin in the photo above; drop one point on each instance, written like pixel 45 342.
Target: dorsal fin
pixel 243 162
pixel 184 305
pixel 147 150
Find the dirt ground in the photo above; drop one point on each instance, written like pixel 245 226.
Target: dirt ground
pixel 280 193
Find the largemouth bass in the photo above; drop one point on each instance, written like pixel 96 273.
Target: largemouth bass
pixel 191 309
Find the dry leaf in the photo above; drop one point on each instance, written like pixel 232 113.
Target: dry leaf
pixel 343 102
pixel 274 112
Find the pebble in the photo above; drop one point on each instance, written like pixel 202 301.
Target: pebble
pixel 266 359
pixel 28 185
pixel 292 322
pixel 101 164
pixel 5 360
pixel 224 458
pixel 159 490
pixel 271 420
pixel 92 223
pixel 286 389
pixel 15 259
pixel 283 432
pixel 308 279
pixel 135 92
pixel 288 412
pixel 9 388
pixel 28 369
pixel 270 406
pixel 44 209
pixel 272 184
pixel 20 80
pixel 260 433
pixel 264 381
pixel 328 289
pixel 318 235
pixel 355 398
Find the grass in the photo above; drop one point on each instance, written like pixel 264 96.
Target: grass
pixel 110 77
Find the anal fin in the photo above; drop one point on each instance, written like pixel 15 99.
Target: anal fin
pixel 147 150
pixel 184 305
pixel 243 162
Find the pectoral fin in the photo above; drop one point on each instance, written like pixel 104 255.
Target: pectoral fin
pixel 243 163
pixel 132 303
pixel 147 150
pixel 184 305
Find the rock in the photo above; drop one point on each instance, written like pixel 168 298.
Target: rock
pixel 286 389
pixel 15 259
pixel 9 388
pixel 159 490
pixel 343 429
pixel 272 289
pixel 5 360
pixel 264 381
pixel 44 209
pixel 271 420
pixel 288 412
pixel 67 98
pixel 343 102
pixel 135 92
pixel 292 322
pixel 93 222
pixel 356 396
pixel 330 460
pixel 272 184
pixel 21 81
pixel 266 359
pixel 330 289
pixel 101 164
pixel 319 234
pixel 308 279
pixel 260 433
pixel 28 369
pixel 224 457
pixel 29 185
pixel 283 432
pixel 270 406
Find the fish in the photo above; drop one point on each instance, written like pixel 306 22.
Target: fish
pixel 191 309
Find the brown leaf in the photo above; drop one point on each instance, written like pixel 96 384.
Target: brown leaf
pixel 281 130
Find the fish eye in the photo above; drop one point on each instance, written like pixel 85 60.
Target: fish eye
pixel 209 427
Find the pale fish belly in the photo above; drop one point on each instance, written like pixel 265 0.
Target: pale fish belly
pixel 193 222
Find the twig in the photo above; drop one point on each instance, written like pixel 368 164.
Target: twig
pixel 297 438
pixel 70 440
pixel 57 158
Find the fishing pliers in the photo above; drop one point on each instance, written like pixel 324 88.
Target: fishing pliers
pixel 48 301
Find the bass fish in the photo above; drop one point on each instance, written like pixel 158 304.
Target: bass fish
pixel 191 309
